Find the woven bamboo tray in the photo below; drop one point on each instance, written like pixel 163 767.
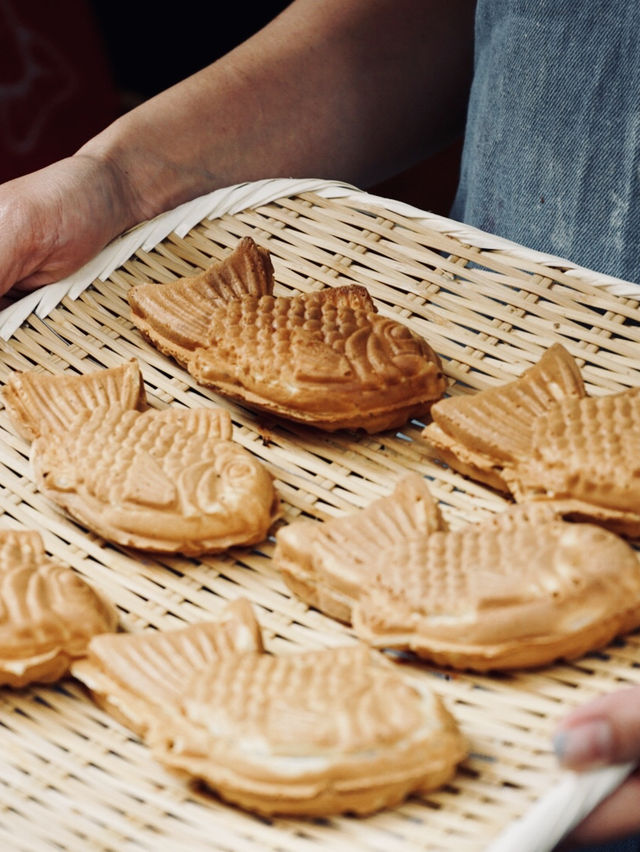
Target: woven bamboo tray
pixel 70 776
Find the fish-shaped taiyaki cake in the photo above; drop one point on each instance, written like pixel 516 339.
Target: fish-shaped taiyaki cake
pixel 139 677
pixel 311 733
pixel 326 359
pixel 521 590
pixel 169 481
pixel 328 564
pixel 174 317
pixel 484 435
pixel 585 457
pixel 48 613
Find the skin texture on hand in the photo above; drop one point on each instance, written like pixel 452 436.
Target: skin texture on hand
pixel 54 220
pixel 602 732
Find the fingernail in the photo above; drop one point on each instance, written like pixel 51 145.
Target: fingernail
pixel 588 744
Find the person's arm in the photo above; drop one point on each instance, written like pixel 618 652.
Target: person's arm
pixel 602 732
pixel 345 89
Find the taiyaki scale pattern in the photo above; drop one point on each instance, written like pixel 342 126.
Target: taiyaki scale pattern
pixel 325 359
pixel 48 613
pixel 484 435
pixel 139 677
pixel 311 733
pixel 541 437
pixel 520 590
pixel 585 457
pixel 168 480
pixel 328 564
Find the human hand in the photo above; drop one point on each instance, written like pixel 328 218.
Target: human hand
pixel 602 732
pixel 56 219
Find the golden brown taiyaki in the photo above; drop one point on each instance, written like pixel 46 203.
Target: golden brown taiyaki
pixel 169 481
pixel 175 316
pixel 585 457
pixel 328 564
pixel 311 733
pixel 48 613
pixel 520 590
pixel 326 359
pixel 140 677
pixel 484 435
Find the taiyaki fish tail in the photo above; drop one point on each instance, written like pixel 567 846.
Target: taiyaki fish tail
pixel 38 402
pixel 139 677
pixel 328 564
pixel 174 317
pixel 484 434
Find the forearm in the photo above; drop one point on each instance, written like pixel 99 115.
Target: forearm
pixel 345 89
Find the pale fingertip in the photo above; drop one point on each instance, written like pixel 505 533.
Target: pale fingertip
pixel 586 745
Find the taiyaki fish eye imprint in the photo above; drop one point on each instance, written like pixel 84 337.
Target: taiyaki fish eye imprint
pixel 311 733
pixel 167 481
pixel 48 613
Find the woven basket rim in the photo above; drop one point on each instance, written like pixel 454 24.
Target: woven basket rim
pixel 243 196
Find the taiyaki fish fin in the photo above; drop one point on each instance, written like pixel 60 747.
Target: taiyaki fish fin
pixel 327 564
pixel 316 361
pixel 37 402
pixel 138 676
pixel 175 316
pixel 147 484
pixel 20 548
pixel 353 296
pixel 212 423
pixel 481 433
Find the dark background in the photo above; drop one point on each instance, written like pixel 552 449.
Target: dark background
pixel 67 69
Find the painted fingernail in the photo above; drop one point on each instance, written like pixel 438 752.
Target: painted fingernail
pixel 588 744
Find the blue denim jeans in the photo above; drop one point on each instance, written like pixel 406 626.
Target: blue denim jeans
pixel 632 844
pixel 552 146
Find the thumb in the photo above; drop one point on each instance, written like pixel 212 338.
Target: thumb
pixel 603 731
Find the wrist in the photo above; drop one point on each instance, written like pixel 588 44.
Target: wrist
pixel 146 177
